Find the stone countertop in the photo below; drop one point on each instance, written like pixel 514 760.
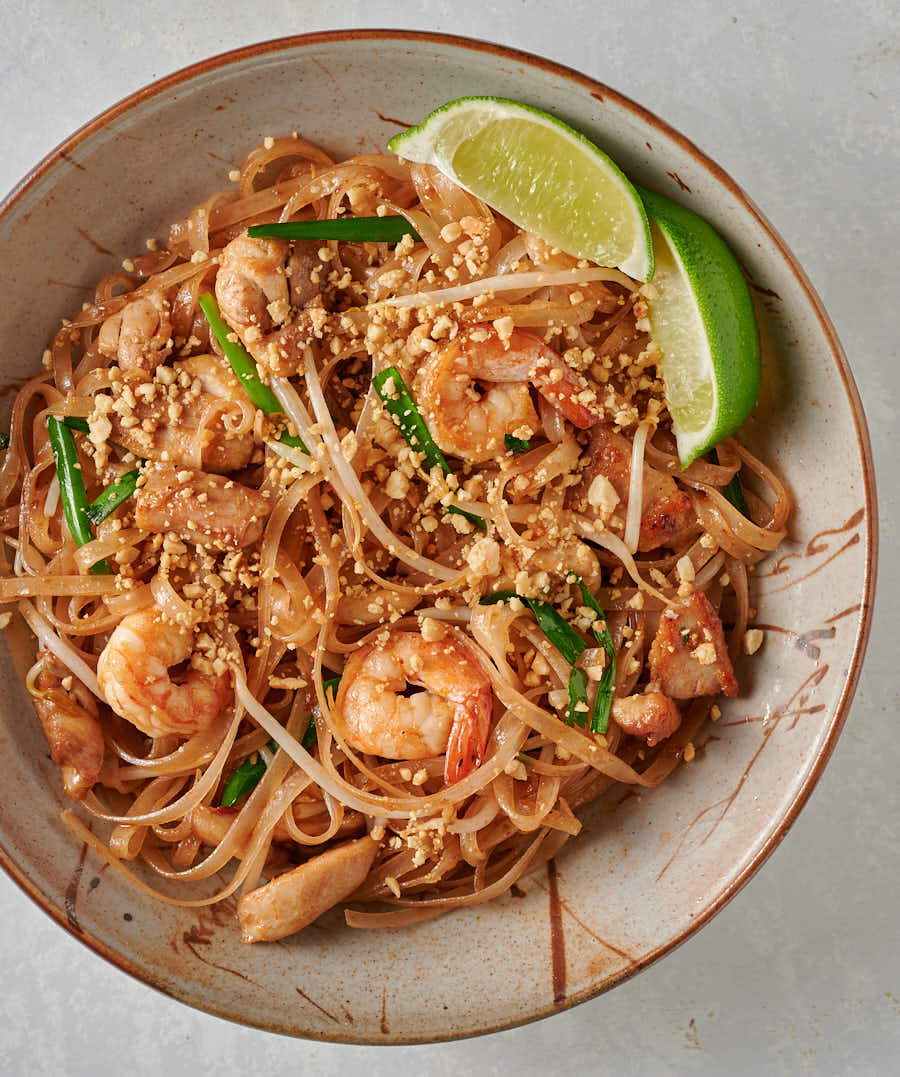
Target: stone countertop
pixel 799 974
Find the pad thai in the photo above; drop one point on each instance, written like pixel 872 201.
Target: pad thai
pixel 359 564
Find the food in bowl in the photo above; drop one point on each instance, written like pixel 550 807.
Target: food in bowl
pixel 367 533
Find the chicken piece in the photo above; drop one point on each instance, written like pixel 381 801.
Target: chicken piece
pixel 652 715
pixel 291 901
pixel 208 509
pixel 180 425
pixel 282 351
pixel 72 731
pixel 304 260
pixel 667 515
pixel 688 657
pixel 259 283
pixel 140 335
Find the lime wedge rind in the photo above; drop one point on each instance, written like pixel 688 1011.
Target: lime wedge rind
pixel 703 320
pixel 441 138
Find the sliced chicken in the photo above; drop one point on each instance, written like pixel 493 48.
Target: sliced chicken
pixel 667 515
pixel 688 657
pixel 73 732
pixel 208 509
pixel 651 715
pixel 291 901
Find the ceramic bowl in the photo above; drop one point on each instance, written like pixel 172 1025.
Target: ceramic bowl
pixel 665 861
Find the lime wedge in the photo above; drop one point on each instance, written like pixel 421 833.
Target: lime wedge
pixel 541 174
pixel 701 316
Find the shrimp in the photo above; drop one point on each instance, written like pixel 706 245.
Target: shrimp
pixel 140 335
pixel 69 720
pixel 452 716
pixel 688 657
pixel 201 419
pixel 651 715
pixel 472 424
pixel 200 508
pixel 257 283
pixel 133 675
pixel 667 513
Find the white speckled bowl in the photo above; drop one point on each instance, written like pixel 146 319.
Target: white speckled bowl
pixel 642 877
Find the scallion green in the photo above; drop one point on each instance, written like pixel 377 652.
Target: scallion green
pixel 75 422
pixel 399 404
pixel 516 445
pixel 244 366
pixel 733 490
pixel 389 229
pixel 106 503
pixel 246 778
pixel 71 487
pixel 607 683
pixel 571 646
pixel 242 362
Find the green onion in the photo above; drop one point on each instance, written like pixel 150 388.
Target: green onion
pixel 310 736
pixel 607 683
pixel 244 365
pixel 733 491
pixel 576 715
pixel 75 422
pixel 351 229
pixel 331 685
pixel 242 362
pixel 248 775
pixel 554 626
pixel 106 503
pixel 571 646
pixel 71 487
pixel 401 406
pixel 293 442
pixel 516 445
pixel 4 441
pixel 245 778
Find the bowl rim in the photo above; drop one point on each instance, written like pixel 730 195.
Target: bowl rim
pixel 602 92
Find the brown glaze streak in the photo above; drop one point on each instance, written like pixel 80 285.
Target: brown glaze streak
pixel 853 541
pixel 813 547
pixel 72 890
pixel 74 164
pixel 750 719
pixel 843 613
pixel 186 938
pixel 313 1002
pixel 567 908
pixel 763 291
pixel 674 175
pixel 385 1027
pixel 93 242
pixel 724 804
pixel 802 641
pixel 390 119
pixel 557 937
pixel 575 81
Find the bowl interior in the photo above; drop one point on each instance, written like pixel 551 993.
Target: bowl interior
pixel 648 868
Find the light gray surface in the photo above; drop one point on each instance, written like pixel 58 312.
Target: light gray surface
pixel 799 974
